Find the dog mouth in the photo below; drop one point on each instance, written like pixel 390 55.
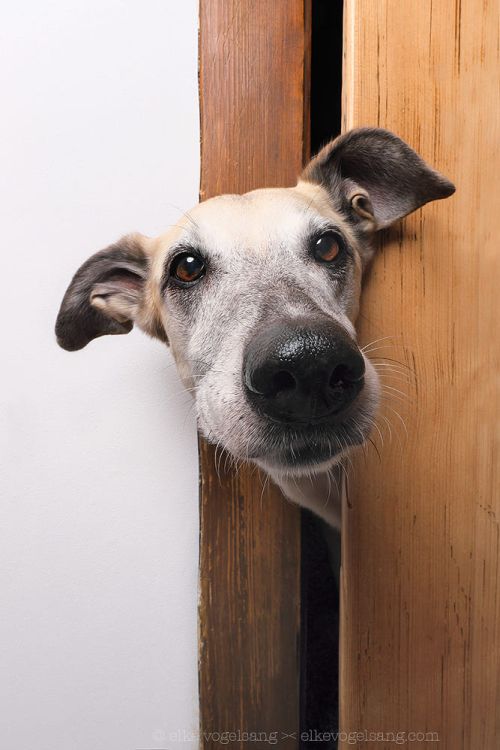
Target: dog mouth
pixel 295 446
pixel 303 447
pixel 307 453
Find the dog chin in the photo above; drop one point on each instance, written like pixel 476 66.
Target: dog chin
pixel 307 455
pixel 289 468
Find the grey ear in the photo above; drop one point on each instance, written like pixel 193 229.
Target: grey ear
pixel 105 295
pixel 376 175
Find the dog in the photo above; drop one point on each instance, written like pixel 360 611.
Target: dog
pixel 257 296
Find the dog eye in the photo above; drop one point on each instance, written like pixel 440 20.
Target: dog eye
pixel 327 247
pixel 187 268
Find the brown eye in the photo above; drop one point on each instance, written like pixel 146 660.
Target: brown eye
pixel 187 268
pixel 327 247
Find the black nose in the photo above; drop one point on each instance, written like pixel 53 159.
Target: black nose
pixel 298 372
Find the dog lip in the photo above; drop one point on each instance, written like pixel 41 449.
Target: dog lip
pixel 306 454
pixel 311 421
pixel 310 449
pixel 309 455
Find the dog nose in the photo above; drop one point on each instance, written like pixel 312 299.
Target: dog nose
pixel 297 372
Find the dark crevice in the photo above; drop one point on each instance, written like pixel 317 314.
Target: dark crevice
pixel 319 704
pixel 319 634
pixel 326 71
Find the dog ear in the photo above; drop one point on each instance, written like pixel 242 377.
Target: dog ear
pixel 377 175
pixel 106 296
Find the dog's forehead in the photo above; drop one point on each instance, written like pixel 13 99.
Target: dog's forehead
pixel 259 218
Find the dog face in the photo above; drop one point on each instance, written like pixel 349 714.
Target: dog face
pixel 257 295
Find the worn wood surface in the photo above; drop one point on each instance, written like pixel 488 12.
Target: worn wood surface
pixel 420 583
pixel 253 94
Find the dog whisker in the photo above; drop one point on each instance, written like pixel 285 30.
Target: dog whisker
pixel 375 448
pixel 398 415
pixel 393 393
pixel 404 365
pixel 184 213
pixel 389 377
pixel 379 434
pixel 264 484
pixel 388 367
pixel 388 424
pixel 383 338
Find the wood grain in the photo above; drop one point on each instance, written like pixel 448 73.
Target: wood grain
pixel 420 585
pixel 253 94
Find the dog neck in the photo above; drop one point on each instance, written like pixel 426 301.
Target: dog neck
pixel 320 493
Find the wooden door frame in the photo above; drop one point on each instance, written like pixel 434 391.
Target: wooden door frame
pixel 254 98
pixel 420 611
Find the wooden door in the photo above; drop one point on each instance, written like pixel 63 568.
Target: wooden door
pixel 254 122
pixel 420 621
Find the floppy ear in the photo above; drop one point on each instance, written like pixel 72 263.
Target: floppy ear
pixel 106 296
pixel 376 175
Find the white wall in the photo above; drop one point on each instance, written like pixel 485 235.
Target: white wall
pixel 99 498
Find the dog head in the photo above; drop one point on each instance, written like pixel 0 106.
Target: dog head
pixel 257 295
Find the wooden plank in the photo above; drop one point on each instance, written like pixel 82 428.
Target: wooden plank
pixel 420 586
pixel 253 93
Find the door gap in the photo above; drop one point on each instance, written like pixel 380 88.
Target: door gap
pixel 320 557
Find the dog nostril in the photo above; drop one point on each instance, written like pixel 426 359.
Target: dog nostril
pixel 283 381
pixel 344 375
